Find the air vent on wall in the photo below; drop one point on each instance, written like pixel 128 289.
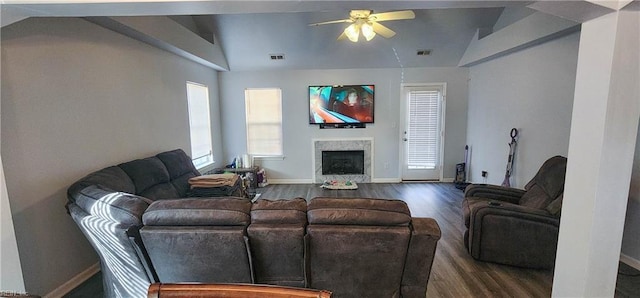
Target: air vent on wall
pixel 276 56
pixel 423 52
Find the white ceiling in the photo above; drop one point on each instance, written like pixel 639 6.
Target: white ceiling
pixel 248 39
pixel 248 31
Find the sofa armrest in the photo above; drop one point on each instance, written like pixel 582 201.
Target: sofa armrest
pixel 513 235
pixel 494 192
pixel 425 234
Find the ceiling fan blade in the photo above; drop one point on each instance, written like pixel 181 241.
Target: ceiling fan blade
pixel 382 30
pixel 342 36
pixel 392 15
pixel 332 22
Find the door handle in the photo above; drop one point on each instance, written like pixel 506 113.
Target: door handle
pixel 404 139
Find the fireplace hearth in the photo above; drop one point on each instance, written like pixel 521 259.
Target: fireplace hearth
pixel 342 162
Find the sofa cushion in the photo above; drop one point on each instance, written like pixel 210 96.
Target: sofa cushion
pixel 161 191
pixel 279 211
pixel 146 173
pixel 228 211
pixel 358 211
pixel 115 206
pixel 550 176
pixel 536 198
pixel 113 178
pixel 177 163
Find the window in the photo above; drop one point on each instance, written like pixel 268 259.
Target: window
pixel 199 124
pixel 263 109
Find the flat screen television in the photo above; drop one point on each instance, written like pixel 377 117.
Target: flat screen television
pixel 341 104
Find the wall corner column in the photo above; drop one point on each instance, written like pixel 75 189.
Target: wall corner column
pixel 604 127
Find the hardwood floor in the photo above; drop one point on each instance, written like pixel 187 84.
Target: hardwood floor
pixel 454 273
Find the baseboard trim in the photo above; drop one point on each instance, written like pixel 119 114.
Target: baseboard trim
pixel 74 282
pixel 386 180
pixel 630 261
pixel 374 180
pixel 290 181
pixel 309 181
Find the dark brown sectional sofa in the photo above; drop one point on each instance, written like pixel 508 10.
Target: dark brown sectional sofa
pixel 146 229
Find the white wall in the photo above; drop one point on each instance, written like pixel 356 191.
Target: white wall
pixel 77 97
pixel 531 90
pixel 296 166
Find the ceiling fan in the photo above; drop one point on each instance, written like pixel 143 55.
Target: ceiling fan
pixel 367 22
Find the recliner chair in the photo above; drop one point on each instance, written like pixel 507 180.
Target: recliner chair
pixel 514 226
pixel 361 247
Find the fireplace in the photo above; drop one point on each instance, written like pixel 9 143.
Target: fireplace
pixel 343 166
pixel 342 162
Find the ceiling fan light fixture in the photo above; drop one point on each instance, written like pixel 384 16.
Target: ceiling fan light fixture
pixel 352 32
pixel 367 31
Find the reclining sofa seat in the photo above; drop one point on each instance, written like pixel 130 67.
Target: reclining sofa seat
pixel 108 205
pixel 369 248
pixel 199 240
pixel 514 226
pixel 276 233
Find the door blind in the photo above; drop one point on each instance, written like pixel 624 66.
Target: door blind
pixel 423 128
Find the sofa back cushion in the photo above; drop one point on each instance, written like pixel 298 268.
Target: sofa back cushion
pixel 199 240
pixel 358 211
pixel 357 247
pixel 279 211
pixel 118 207
pixel 276 235
pixel 113 178
pixel 151 178
pixel 180 169
pixel 546 185
pixel 199 212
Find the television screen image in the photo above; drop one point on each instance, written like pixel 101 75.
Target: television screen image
pixel 351 104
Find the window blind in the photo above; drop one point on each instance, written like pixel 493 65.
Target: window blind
pixel 423 128
pixel 199 124
pixel 264 121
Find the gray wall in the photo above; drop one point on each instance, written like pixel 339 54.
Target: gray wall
pixel 76 98
pixel 631 236
pixel 296 166
pixel 531 90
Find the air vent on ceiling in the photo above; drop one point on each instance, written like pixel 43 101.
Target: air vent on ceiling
pixel 423 52
pixel 276 56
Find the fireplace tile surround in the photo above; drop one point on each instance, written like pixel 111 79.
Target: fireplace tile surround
pixel 365 144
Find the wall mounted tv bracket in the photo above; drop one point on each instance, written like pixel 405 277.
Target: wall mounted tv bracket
pixel 343 125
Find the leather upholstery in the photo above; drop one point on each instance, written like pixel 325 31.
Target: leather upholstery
pixel 123 272
pixel 199 240
pixel 513 226
pixel 277 241
pixel 348 239
pixel 145 230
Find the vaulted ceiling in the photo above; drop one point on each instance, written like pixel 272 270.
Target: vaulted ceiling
pixel 248 39
pixel 247 33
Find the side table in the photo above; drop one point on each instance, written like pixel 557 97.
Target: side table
pixel 250 174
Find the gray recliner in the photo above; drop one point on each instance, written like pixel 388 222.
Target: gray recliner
pixel 516 227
